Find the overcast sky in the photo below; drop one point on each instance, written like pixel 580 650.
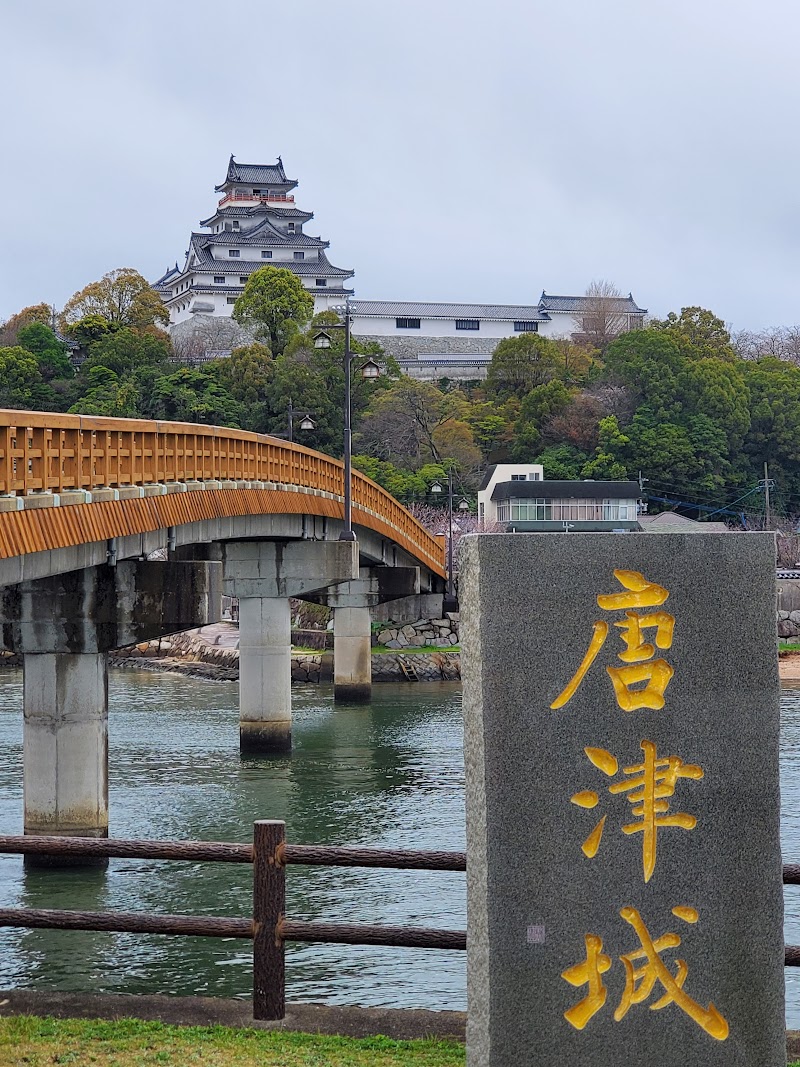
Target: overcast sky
pixel 450 149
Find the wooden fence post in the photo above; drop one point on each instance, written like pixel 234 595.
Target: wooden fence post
pixel 269 906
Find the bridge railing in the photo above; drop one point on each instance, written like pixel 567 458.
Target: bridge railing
pixel 41 452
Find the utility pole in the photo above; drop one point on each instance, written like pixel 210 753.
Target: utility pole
pixel 767 516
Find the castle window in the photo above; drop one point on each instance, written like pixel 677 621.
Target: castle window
pixel 407 324
pixel 231 299
pixel 233 253
pixel 266 253
pixel 291 227
pixel 236 224
pixel 321 281
pixel 299 255
pixel 256 192
pixel 243 280
pixel 468 324
pixel 219 279
pixel 526 326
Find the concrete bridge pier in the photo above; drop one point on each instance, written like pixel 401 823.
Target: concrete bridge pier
pixel 65 746
pixel 64 627
pixel 352 653
pixel 263 575
pixel 352 624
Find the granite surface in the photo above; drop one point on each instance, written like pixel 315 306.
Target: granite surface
pixel 529 606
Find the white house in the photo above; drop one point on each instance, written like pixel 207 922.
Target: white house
pixel 519 495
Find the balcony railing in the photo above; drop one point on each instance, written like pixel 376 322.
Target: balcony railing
pixel 277 198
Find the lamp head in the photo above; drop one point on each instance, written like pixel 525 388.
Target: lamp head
pixel 307 423
pixel 436 488
pixel 370 369
pixel 322 340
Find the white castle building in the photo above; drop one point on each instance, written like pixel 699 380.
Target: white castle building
pixel 256 223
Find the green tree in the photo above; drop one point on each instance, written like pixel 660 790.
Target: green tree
pixel 106 395
pixel 698 333
pixel 247 375
pixel 521 363
pixel 125 350
pixel 51 354
pixel 189 395
pixel 21 382
pixel 123 297
pixel 275 305
pixel 562 461
pixel 538 406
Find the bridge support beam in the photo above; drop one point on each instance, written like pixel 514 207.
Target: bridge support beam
pixel 65 748
pixel 263 575
pixel 64 627
pixel 352 624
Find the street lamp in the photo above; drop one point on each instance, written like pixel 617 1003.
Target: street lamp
pixel 306 423
pixel 437 488
pixel 370 369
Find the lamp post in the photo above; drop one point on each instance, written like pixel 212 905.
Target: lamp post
pixel 369 370
pixel 463 506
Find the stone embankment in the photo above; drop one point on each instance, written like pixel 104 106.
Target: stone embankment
pixel 212 652
pixel 424 633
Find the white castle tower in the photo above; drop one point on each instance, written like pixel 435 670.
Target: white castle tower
pixel 255 224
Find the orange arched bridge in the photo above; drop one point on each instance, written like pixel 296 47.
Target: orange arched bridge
pixel 117 531
pixel 73 480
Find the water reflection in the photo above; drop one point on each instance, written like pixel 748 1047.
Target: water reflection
pixel 388 774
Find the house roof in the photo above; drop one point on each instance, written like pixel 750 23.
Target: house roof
pixel 672 522
pixel 625 304
pixel 364 309
pixel 263 234
pixel 566 490
pixel 271 174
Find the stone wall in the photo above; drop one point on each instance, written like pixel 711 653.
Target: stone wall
pixel 424 633
pixel 788 607
pixel 403 347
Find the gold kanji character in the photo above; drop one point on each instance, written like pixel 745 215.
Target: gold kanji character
pixel 638 655
pixel 588 973
pixel 650 786
pixel 639 981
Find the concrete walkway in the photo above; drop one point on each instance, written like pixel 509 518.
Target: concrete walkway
pixel 398 1023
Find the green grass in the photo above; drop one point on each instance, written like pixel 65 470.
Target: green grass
pixel 788 646
pixel 131 1043
pixel 381 650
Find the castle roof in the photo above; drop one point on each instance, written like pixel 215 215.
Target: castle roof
pixel 262 234
pixel 231 212
pixel 320 268
pixel 623 304
pixel 258 173
pixel 410 309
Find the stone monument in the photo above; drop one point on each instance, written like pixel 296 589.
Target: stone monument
pixel 624 878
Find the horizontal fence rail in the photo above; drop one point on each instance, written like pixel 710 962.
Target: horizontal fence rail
pixel 269 928
pixel 42 452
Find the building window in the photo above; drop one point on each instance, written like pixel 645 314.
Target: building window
pixel 321 281
pixel 233 253
pixel 256 192
pixel 468 324
pixel 236 224
pixel 231 299
pixel 518 478
pixel 503 512
pixel 243 280
pixel 407 324
pixel 299 255
pixel 525 326
pixel 266 253
pixel 219 279
pixel 636 322
pixel 291 227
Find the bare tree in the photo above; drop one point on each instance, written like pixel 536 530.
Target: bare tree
pixel 779 342
pixel 205 336
pixel 602 316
